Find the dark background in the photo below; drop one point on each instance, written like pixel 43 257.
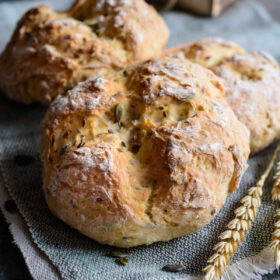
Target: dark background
pixel 12 265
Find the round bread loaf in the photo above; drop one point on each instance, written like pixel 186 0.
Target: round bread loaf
pixel 142 155
pixel 51 52
pixel 251 81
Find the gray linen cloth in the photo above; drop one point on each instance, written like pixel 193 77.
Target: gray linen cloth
pixel 75 256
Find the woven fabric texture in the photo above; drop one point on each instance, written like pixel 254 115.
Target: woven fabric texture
pixel 78 257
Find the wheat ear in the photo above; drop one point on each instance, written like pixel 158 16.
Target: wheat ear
pixel 234 235
pixel 275 244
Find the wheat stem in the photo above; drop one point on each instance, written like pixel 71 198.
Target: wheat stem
pixel 236 229
pixel 276 186
pixel 275 244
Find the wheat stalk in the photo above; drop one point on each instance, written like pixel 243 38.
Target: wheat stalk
pixel 276 186
pixel 234 235
pixel 275 244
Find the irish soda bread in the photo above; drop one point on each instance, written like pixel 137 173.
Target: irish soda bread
pixel 51 52
pixel 252 84
pixel 142 155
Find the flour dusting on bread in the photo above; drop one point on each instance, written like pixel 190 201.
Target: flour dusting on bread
pixel 147 153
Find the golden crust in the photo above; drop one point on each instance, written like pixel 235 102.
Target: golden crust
pixel 142 155
pixel 252 84
pixel 51 52
pixel 207 52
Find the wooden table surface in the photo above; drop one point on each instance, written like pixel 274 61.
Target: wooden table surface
pixel 12 265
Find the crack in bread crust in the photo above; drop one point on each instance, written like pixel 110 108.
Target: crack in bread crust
pixel 251 81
